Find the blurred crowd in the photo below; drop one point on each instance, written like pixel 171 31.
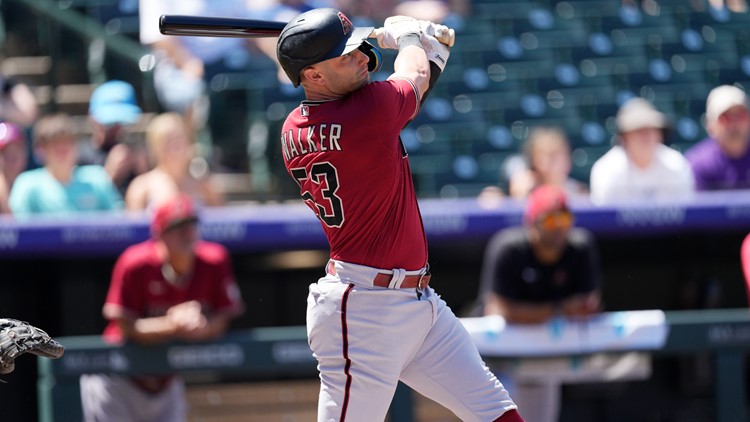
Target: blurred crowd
pixel 63 158
pixel 174 152
pixel 640 166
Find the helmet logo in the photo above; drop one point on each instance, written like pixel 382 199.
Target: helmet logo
pixel 346 24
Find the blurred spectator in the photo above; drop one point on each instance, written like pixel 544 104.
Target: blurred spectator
pixel 17 103
pixel 178 169
pixel 546 267
pixel 13 160
pixel 722 161
pixel 113 110
pixel 61 186
pixel 736 6
pixel 449 12
pixel 186 63
pixel 547 160
pixel 280 11
pixel 190 73
pixel 533 273
pixel 170 287
pixel 641 167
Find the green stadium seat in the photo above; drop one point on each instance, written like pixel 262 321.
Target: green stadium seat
pixel 584 158
pixel 424 139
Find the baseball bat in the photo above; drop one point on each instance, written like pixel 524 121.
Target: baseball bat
pixel 207 26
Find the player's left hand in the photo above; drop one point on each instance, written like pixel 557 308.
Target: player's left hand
pixel 442 33
pixel 394 28
pixel 187 317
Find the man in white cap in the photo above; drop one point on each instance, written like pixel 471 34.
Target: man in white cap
pixel 640 166
pixel 722 160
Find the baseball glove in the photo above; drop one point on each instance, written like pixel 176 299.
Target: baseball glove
pixel 19 337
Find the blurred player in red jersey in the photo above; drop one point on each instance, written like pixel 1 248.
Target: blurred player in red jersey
pixel 171 287
pixel 372 320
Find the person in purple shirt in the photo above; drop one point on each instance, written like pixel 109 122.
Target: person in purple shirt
pixel 722 160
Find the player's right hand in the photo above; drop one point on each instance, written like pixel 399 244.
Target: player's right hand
pixel 394 28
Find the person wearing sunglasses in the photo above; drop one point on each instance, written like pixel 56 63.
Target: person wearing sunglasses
pixel 534 272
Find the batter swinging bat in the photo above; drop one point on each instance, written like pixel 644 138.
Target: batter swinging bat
pixel 206 26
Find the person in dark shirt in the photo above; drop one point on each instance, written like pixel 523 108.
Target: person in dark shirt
pixel 534 273
pixel 544 268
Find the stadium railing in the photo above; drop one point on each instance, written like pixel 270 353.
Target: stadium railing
pixel 725 334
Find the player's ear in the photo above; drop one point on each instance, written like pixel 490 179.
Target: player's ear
pixel 312 74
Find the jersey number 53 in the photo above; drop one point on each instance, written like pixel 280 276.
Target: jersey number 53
pixel 328 205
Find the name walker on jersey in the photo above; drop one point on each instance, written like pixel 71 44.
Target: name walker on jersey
pixel 316 138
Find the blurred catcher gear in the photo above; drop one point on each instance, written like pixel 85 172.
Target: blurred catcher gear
pixel 19 337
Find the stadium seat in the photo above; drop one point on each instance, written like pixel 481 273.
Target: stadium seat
pixel 584 158
pixel 426 171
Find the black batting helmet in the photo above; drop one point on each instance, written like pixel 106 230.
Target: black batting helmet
pixel 319 35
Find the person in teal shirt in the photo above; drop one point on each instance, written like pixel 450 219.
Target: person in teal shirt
pixel 61 186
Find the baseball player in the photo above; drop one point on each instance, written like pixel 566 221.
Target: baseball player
pixel 373 320
pixel 170 287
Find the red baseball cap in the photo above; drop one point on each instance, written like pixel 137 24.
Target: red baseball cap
pixel 543 200
pixel 172 213
pixel 10 133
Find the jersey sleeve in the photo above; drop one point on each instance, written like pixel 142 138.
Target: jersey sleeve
pixel 395 100
pixel 121 301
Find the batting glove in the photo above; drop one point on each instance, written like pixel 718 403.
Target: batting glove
pixel 437 52
pixel 443 34
pixel 394 28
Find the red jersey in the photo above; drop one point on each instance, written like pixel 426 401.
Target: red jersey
pixel 353 172
pixel 139 289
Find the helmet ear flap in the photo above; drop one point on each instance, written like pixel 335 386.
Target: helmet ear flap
pixel 376 59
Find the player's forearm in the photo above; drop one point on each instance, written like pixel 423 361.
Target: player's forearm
pixel 149 330
pixel 217 326
pixel 517 312
pixel 412 62
pixel 524 313
pixel 582 304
